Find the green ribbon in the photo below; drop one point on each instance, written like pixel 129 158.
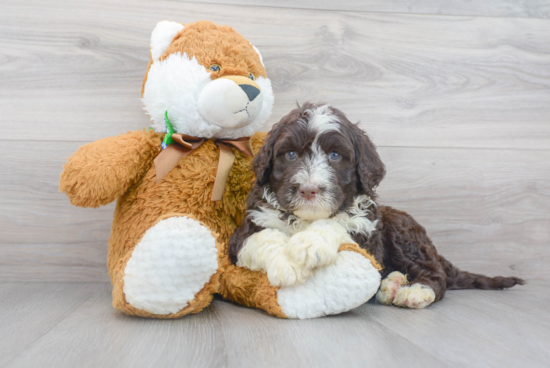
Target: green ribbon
pixel 169 131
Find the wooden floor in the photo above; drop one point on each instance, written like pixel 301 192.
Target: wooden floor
pixel 74 325
pixel 455 93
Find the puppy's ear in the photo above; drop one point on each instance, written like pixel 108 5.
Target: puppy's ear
pixel 263 161
pixel 370 168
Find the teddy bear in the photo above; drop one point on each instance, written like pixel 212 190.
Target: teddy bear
pixel 181 186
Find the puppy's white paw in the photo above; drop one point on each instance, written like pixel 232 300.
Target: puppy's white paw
pixel 309 249
pixel 389 287
pixel 414 296
pixel 281 272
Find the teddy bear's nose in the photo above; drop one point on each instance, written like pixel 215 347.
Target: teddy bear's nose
pixel 251 91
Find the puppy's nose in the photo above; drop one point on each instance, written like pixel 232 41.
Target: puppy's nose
pixel 251 91
pixel 308 191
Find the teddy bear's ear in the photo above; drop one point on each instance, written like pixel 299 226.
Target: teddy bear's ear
pixel 260 55
pixel 162 37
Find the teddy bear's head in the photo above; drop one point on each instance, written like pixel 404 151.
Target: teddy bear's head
pixel 210 80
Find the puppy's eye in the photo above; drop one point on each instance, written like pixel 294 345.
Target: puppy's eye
pixel 334 156
pixel 251 76
pixel 215 67
pixel 290 155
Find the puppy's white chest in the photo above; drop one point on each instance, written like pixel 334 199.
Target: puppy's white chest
pixel 354 221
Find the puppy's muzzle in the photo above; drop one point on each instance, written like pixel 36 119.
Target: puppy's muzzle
pixel 308 191
pixel 231 101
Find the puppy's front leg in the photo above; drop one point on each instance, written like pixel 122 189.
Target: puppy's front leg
pixel 265 251
pixel 318 244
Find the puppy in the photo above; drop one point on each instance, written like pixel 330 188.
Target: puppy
pixel 315 189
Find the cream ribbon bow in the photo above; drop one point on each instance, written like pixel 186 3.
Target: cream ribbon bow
pixel 183 144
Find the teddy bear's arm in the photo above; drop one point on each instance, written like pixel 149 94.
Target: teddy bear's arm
pixel 101 171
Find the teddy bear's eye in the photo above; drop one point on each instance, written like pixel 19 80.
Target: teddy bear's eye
pixel 215 67
pixel 251 76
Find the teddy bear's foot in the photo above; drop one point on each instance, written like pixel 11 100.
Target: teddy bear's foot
pixel 172 271
pixel 344 285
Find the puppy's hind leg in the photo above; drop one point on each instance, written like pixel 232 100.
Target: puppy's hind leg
pixel 395 289
pixel 411 253
pixel 415 296
pixel 389 287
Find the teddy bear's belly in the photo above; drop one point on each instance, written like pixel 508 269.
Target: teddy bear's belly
pixel 173 262
pixel 183 191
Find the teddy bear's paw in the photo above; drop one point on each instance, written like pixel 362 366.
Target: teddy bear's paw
pixel 389 287
pixel 414 296
pixel 170 265
pixel 310 249
pixel 342 286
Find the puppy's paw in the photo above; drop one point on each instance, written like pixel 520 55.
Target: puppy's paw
pixel 414 296
pixel 282 272
pixel 309 249
pixel 389 287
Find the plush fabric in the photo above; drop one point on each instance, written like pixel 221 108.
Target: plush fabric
pixel 103 170
pixel 168 240
pixel 168 251
pixel 183 73
pixel 250 288
pixel 339 287
pixel 348 283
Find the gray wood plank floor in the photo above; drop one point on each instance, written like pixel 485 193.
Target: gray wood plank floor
pixel 507 234
pixel 75 73
pixel 456 94
pixel 491 8
pixel 459 107
pixel 74 325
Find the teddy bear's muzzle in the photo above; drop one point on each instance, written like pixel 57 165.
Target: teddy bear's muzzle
pixel 230 101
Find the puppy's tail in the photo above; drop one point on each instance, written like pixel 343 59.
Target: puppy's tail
pixel 457 279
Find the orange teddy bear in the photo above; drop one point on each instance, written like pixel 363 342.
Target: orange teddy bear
pixel 170 229
pixel 182 187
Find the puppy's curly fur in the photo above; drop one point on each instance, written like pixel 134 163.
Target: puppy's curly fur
pixel 415 274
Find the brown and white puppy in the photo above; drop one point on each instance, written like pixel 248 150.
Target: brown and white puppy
pixel 315 189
